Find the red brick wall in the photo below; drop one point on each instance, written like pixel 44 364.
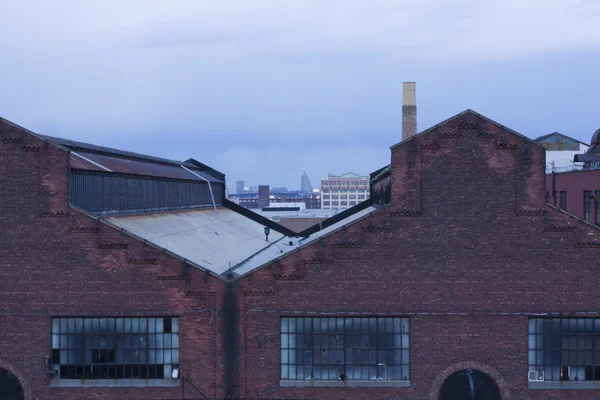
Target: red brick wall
pixel 467 250
pixel 53 263
pixel 574 183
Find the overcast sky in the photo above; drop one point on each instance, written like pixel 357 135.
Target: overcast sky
pixel 265 89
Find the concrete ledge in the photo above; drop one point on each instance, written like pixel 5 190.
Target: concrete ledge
pixel 349 383
pixel 137 383
pixel 568 385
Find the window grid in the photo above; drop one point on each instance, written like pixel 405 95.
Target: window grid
pixel 563 200
pixel 115 348
pixel 597 199
pixel 587 205
pixel 344 348
pixel 565 349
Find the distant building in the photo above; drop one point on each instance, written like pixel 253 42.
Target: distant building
pixel 344 191
pixel 239 187
pixel 305 184
pixel 294 215
pixel 577 189
pixel 560 151
pixel 263 196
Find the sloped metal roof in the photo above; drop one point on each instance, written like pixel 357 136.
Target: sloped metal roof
pixel 106 163
pixel 73 144
pixel 283 246
pixel 216 241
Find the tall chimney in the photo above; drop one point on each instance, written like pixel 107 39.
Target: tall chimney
pixel 409 110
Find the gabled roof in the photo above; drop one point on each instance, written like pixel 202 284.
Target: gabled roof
pixel 81 146
pixel 380 173
pixel 559 136
pixel 91 157
pixel 102 162
pixel 467 111
pixel 214 241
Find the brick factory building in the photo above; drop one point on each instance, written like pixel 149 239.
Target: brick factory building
pixel 577 189
pixel 131 277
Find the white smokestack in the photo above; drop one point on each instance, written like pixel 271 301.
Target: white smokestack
pixel 409 110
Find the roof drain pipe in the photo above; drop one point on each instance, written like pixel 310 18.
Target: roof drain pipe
pixel 207 181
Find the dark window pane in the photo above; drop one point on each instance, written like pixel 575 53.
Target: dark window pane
pixel 89 349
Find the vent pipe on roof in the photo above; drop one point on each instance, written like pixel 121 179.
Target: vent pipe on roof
pixel 409 110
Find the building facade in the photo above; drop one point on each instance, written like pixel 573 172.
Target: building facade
pixel 577 189
pixel 344 191
pixel 239 187
pixel 466 284
pixel 560 151
pixel 305 185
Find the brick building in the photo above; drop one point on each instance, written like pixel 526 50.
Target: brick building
pixel 577 189
pixel 460 281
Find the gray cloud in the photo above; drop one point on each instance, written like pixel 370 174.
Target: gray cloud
pixel 318 81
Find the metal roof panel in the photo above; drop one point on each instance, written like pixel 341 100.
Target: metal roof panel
pixel 215 241
pixel 104 163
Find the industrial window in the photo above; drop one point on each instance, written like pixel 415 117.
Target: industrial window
pixel 597 207
pixel 352 203
pixel 325 196
pixel 564 349
pixel 335 203
pixel 361 196
pixel 563 200
pixel 344 349
pixel 115 348
pixel 325 203
pixel 587 205
pixel 343 203
pixel 555 198
pixel 335 196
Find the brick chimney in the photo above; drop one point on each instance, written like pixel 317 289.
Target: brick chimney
pixel 409 110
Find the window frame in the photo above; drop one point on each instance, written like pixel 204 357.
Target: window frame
pixel 564 352
pixel 563 200
pixel 104 351
pixel 588 205
pixel 597 201
pixel 340 336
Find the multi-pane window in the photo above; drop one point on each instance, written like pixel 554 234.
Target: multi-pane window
pixel 115 348
pixel 597 207
pixel 564 349
pixel 587 205
pixel 563 200
pixel 344 348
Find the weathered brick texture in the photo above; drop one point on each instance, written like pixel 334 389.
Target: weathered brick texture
pixel 467 250
pixel 55 261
